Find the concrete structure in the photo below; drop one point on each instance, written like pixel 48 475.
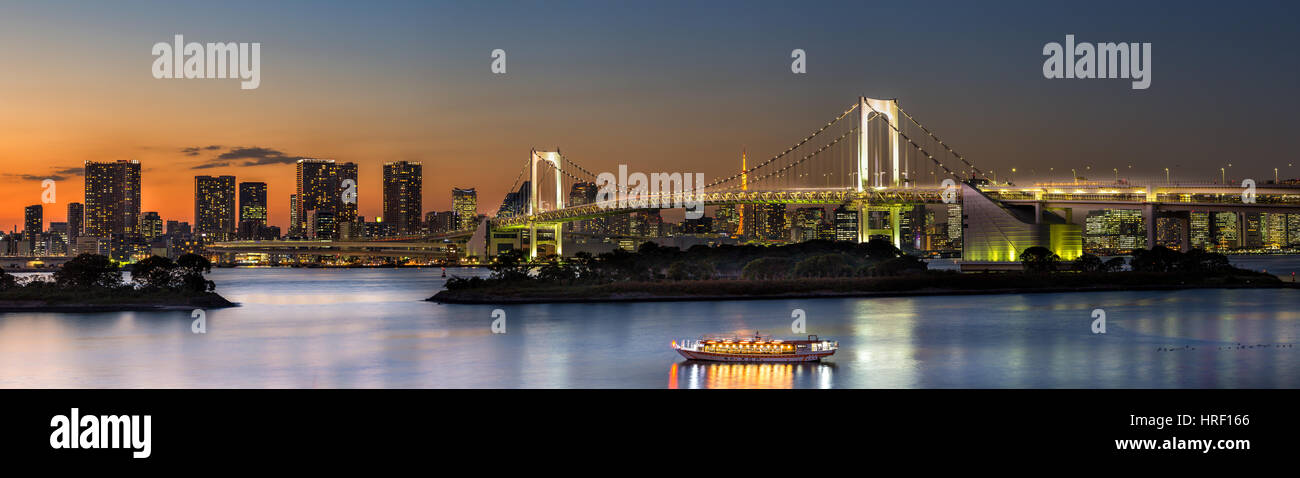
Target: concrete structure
pixel 998 233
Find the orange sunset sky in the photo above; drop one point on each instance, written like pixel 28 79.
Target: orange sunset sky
pixel 660 86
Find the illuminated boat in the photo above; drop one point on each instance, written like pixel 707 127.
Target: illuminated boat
pixel 757 348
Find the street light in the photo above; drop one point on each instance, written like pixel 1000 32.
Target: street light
pixel 1166 175
pixel 1223 176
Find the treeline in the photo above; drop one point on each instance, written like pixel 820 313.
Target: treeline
pixel 97 273
pixel 651 262
pixel 1157 259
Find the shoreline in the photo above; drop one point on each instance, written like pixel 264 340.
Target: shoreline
pixel 829 294
pixel 214 301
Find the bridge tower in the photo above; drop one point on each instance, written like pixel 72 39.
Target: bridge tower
pixel 872 175
pixel 551 159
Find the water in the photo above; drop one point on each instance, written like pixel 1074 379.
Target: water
pixel 369 328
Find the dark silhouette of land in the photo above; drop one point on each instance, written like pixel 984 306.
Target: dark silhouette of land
pixel 91 282
pixel 827 269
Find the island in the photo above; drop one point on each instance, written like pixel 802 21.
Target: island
pixel 94 283
pixel 826 269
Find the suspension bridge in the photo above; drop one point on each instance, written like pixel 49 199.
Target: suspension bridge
pixel 874 158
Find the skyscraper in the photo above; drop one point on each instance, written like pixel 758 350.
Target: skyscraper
pixel 76 218
pixel 403 186
pixel 151 225
pixel 579 194
pixel 846 224
pixel 322 185
pixel 726 219
pixel 347 194
pixel 252 209
pixel 770 220
pixel 955 222
pixel 214 207
pixel 1227 231
pixel 1114 231
pixel 33 226
pixel 516 202
pixel 295 220
pixel 112 198
pixel 1200 234
pixel 464 202
pixel 805 223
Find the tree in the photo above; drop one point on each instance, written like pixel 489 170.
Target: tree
pixel 904 264
pixel 555 271
pixel 88 270
pixel 766 268
pixel 824 265
pixel 509 266
pixel 1114 264
pixel 1199 261
pixel 1088 263
pixel 1157 259
pixel 7 280
pixel 879 250
pixel 158 272
pixel 190 269
pixel 691 270
pixel 1039 259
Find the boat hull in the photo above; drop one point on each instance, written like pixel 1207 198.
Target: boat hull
pixel 754 358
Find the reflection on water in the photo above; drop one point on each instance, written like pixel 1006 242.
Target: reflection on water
pixel 370 328
pixel 698 374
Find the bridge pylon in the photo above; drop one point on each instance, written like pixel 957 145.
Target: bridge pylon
pixel 554 160
pixel 871 175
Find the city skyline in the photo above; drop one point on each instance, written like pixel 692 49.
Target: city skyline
pixel 430 97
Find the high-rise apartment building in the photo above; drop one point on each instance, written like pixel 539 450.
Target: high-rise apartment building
pixel 324 185
pixel 33 226
pixel 846 224
pixel 464 202
pixel 76 219
pixel 1114 231
pixel 151 225
pixel 403 193
pixel 252 210
pixel 112 198
pixel 1200 234
pixel 214 208
pixel 1227 230
pixel 295 220
pixel 348 192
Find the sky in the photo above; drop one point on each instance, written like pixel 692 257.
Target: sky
pixel 659 86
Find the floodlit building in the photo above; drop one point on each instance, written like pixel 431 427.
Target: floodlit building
pixel 998 233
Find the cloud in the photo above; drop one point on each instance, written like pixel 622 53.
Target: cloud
pixel 247 156
pixel 57 174
pixel 195 150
